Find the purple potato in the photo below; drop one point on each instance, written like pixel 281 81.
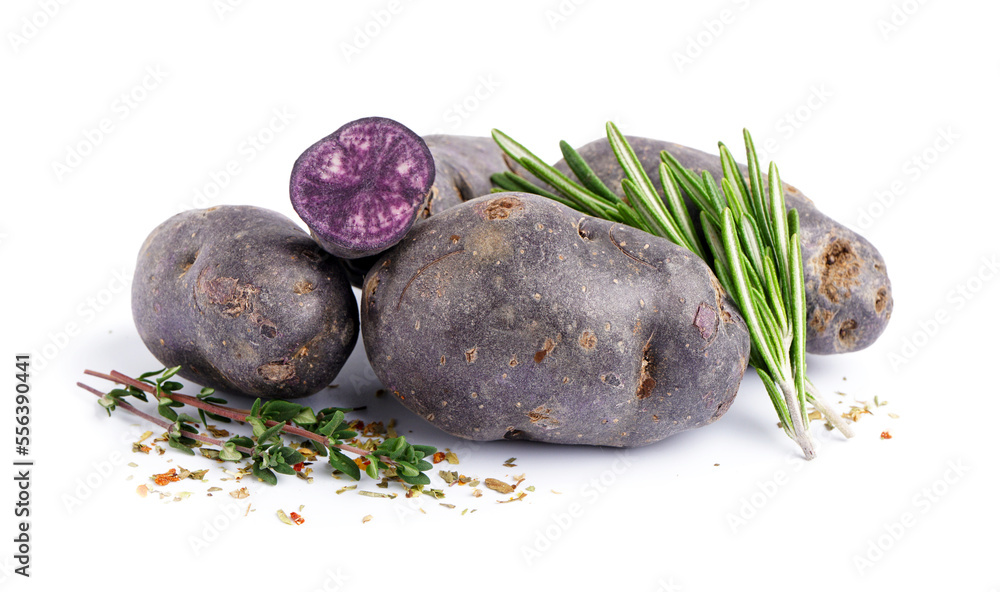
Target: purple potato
pixel 360 188
pixel 512 316
pixel 245 302
pixel 848 293
pixel 463 165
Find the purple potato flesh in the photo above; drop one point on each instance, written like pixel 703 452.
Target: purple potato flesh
pixel 511 316
pixel 360 188
pixel 245 302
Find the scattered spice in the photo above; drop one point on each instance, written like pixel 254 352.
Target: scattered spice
pixel 217 432
pixel 346 488
pixel 518 498
pixel 886 435
pixel 296 518
pixel 438 457
pixel 510 462
pixel 162 479
pixel 855 413
pixel 142 490
pixel 377 494
pixel 366 519
pixel 240 493
pixel 498 485
pixel 196 475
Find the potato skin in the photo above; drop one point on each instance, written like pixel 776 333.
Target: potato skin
pixel 463 165
pixel 848 293
pixel 245 302
pixel 512 316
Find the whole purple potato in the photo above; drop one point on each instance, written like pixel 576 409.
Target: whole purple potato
pixel 848 293
pixel 462 165
pixel 244 301
pixel 512 316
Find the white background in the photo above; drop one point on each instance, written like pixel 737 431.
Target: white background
pixel 858 98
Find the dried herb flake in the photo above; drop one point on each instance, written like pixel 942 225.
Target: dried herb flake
pixel 498 485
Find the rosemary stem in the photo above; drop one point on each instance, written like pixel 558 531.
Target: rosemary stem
pixel 829 413
pixel 799 432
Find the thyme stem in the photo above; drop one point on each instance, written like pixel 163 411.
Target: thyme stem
pixel 160 422
pixel 234 414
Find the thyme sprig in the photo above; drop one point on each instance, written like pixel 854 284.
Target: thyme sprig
pixel 326 430
pixel 753 246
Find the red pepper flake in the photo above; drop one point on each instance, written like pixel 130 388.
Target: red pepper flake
pixel 296 518
pixel 168 477
pixel 438 457
pixel 886 435
pixel 299 466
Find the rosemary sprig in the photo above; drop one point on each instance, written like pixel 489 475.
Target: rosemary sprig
pixel 326 430
pixel 753 248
